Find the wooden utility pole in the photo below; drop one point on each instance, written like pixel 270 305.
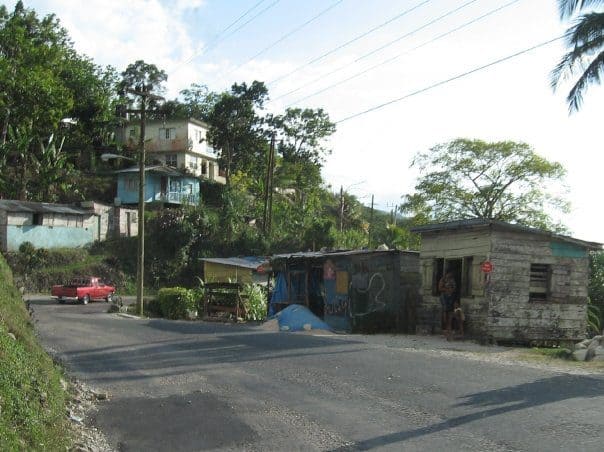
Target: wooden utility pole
pixel 144 92
pixel 370 223
pixel 341 208
pixel 268 188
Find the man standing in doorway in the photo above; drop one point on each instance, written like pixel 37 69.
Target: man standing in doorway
pixel 446 287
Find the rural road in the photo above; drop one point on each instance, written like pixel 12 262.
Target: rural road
pixel 206 386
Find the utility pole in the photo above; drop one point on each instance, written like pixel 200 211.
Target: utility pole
pixel 268 188
pixel 341 208
pixel 370 223
pixel 144 92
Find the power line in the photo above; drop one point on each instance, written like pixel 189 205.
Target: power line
pixel 321 77
pixel 287 35
pixel 390 60
pixel 347 43
pixel 217 39
pixel 443 82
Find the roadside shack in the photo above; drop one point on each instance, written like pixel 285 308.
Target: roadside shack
pixel 514 283
pixel 243 270
pixel 359 290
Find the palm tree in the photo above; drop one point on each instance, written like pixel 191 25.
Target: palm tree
pixel 585 39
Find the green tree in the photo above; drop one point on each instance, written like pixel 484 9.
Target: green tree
pixel 42 81
pixel 596 282
pixel 141 73
pixel 474 179
pixel 585 40
pixel 235 127
pixel 303 132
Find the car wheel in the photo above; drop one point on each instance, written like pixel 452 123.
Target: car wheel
pixel 109 298
pixel 61 300
pixel 86 299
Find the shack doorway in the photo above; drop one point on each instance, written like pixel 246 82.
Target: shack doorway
pixel 455 266
pixel 316 302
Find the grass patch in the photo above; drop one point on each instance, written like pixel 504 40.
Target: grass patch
pixel 554 353
pixel 32 400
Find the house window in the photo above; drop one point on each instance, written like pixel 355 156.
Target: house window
pixel 132 183
pixel 132 133
pixel 221 172
pixel 204 167
pixel 539 282
pixel 167 133
pixel 171 160
pixel 38 219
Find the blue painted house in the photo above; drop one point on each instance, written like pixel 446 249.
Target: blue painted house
pixel 162 184
pixel 45 225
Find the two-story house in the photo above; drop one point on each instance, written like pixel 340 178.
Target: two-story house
pixel 177 143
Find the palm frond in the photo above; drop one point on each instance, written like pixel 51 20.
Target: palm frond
pixel 591 75
pixel 568 7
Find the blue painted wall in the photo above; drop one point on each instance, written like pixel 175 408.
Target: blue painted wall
pixel 153 187
pixel 48 236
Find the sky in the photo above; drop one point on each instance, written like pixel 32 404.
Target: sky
pixel 349 56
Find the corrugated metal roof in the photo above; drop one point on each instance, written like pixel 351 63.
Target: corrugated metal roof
pixel 335 253
pixel 476 223
pixel 41 207
pixel 251 262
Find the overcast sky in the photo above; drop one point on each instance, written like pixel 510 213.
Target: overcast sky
pixel 425 42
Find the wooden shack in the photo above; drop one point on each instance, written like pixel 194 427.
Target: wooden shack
pixel 515 284
pixel 352 290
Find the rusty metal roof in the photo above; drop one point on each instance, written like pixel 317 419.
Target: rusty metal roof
pixel 480 223
pixel 41 207
pixel 334 253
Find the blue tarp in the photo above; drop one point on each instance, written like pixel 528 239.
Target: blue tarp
pixel 279 293
pixel 299 318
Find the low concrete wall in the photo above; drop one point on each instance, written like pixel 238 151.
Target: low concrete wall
pixel 48 236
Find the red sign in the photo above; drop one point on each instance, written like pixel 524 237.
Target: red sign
pixel 486 267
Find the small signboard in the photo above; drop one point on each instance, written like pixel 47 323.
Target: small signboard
pixel 486 267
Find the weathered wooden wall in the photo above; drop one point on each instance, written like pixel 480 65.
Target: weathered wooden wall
pixel 410 291
pixel 511 316
pixel 454 245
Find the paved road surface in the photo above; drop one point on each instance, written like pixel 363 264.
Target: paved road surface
pixel 199 386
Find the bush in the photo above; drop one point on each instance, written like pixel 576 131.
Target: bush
pixel 254 301
pixel 176 302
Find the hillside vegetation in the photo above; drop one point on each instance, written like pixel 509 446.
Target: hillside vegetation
pixel 32 400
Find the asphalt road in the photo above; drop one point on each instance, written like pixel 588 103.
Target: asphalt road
pixel 199 386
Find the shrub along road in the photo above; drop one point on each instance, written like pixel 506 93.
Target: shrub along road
pixel 196 385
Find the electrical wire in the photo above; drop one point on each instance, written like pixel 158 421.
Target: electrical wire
pixel 347 43
pixel 321 77
pixel 217 39
pixel 390 60
pixel 287 35
pixel 451 79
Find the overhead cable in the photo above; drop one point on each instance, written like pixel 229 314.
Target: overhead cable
pixel 287 35
pixel 347 43
pixel 451 79
pixel 219 39
pixel 390 60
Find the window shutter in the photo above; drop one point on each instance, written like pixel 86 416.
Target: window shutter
pixel 478 277
pixel 172 134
